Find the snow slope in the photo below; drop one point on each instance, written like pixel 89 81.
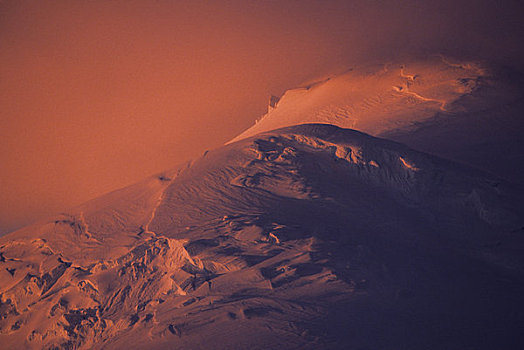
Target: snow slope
pixel 465 111
pixel 306 237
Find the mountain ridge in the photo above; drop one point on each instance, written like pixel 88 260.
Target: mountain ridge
pixel 456 110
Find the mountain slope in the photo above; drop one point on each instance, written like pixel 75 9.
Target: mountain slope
pixel 305 237
pixel 465 111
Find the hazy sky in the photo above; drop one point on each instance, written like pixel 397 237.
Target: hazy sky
pixel 95 95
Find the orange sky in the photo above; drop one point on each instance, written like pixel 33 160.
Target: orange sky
pixel 95 95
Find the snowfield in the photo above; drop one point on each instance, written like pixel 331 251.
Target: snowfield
pixel 311 236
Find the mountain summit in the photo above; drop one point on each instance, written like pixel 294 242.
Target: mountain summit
pixel 466 111
pixel 309 236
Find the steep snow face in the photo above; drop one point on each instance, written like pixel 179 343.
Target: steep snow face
pixel 459 110
pixel 310 237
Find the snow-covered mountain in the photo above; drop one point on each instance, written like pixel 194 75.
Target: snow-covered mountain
pixel 309 236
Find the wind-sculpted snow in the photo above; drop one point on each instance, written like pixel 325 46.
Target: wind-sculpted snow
pixel 379 98
pixel 310 237
pixel 466 111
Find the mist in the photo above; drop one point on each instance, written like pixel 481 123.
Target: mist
pixel 97 95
